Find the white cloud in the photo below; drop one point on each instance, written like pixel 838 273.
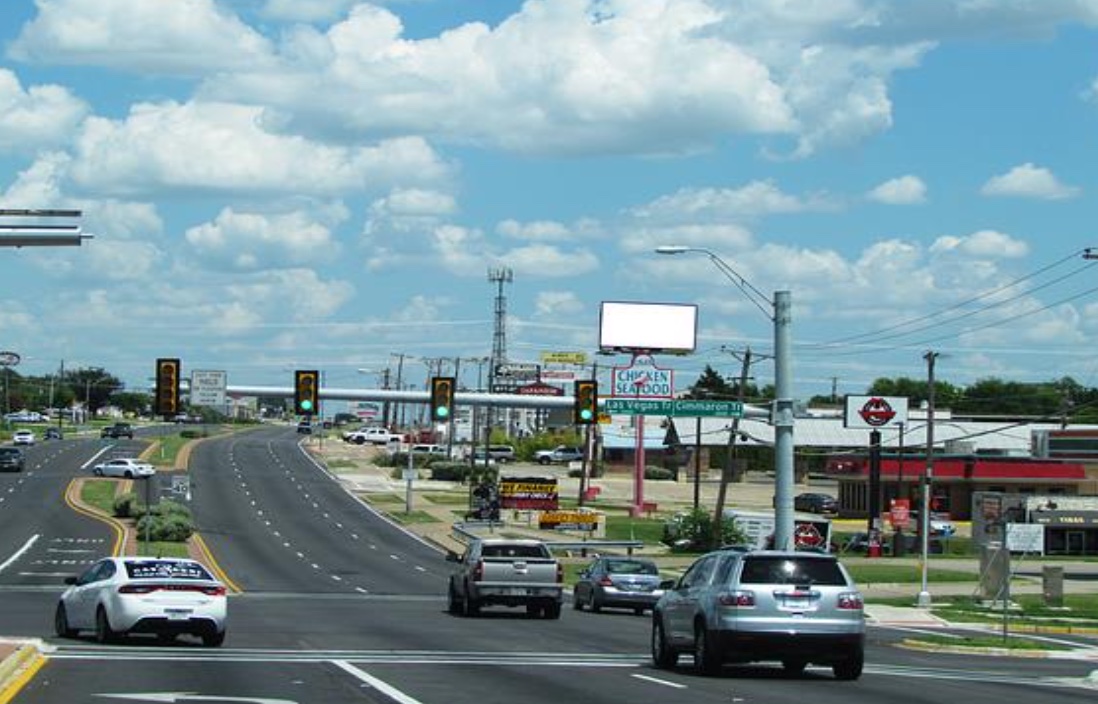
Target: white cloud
pixel 1029 181
pixel 178 37
pixel 546 261
pixel 540 230
pixel 223 147
pixel 38 117
pixel 255 240
pixel 983 244
pixel 904 190
pixel 557 304
pixel 756 199
pixel 306 10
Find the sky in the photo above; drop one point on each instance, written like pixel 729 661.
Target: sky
pixel 274 185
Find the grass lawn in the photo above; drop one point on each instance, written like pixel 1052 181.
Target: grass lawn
pixel 905 574
pixel 161 549
pixel 100 494
pixel 988 641
pixel 413 517
pixel 648 530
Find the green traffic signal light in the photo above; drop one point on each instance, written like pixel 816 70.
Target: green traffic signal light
pixel 306 405
pixel 442 412
pixel 442 396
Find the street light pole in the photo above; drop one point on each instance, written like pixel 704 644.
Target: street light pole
pixel 779 310
pixel 923 600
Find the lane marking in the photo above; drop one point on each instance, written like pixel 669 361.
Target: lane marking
pixel 656 680
pixel 19 552
pixel 381 686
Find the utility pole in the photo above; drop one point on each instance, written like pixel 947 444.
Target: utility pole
pixel 730 450
pixel 923 600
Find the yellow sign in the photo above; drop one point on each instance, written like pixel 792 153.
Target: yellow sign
pixel 575 520
pixel 564 357
pixel 605 419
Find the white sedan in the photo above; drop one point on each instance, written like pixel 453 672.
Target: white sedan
pixel 126 467
pixel 117 596
pixel 23 437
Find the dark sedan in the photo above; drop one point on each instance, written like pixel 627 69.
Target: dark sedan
pixel 624 582
pixel 816 503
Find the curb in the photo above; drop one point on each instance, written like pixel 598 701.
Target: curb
pixel 18 668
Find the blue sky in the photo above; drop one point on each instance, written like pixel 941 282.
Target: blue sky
pixel 280 184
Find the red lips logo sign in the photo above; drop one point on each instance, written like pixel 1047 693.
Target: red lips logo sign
pixel 877 412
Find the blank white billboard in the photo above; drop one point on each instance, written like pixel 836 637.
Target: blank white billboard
pixel 653 327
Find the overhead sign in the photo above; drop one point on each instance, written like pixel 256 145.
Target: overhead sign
pixel 874 412
pixel 208 388
pixel 518 370
pixel 368 409
pixel 676 407
pixel 564 358
pixel 642 379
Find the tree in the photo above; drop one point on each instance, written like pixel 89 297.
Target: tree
pixel 711 385
pixel 92 385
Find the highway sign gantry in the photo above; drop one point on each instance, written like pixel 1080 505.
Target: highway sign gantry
pixel 674 407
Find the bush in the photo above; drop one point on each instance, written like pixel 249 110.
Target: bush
pixel 449 471
pixel 192 434
pixel 167 521
pixel 693 531
pixel 658 474
pixel 126 506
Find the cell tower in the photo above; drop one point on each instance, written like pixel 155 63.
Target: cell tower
pixel 499 277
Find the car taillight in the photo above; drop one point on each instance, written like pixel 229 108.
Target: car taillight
pixel 851 600
pixel 606 582
pixel 478 571
pixel 213 591
pixel 137 588
pixel 741 598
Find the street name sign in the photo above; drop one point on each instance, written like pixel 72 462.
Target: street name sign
pixel 675 407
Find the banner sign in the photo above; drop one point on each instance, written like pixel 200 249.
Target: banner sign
pixel 528 493
pixel 564 358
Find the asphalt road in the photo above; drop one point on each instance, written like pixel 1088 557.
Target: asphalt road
pixel 340 606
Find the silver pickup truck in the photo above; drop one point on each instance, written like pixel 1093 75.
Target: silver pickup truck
pixel 506 572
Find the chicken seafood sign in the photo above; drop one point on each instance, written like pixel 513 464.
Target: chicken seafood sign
pixel 9 359
pixel 875 412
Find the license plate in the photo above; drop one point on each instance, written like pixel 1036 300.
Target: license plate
pixel 797 603
pixel 178 614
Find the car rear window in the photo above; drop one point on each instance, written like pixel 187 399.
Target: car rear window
pixel 161 569
pixel 631 567
pixel 791 570
pixel 513 551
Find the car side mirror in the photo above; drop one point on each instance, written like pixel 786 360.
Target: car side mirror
pixel 667 584
pixel 452 556
pixel 70 580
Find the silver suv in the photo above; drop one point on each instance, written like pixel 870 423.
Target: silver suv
pixel 736 606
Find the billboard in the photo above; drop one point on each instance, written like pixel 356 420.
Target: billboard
pixel 528 493
pixel 874 411
pixel 652 327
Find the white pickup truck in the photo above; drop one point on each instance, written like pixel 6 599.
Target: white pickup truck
pixel 506 572
pixel 371 435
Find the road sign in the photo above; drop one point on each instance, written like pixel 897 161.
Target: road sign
pixel 564 357
pixel 677 407
pixel 518 370
pixel 208 388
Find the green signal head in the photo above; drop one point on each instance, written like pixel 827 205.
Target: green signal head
pixel 442 412
pixel 586 414
pixel 306 405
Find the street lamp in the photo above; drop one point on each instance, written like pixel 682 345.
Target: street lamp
pixel 779 311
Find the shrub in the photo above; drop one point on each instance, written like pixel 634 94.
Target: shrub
pixel 658 473
pixel 165 527
pixel 126 506
pixel 693 530
pixel 192 434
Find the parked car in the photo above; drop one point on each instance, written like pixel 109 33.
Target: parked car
pixel 371 435
pixel 126 467
pixel 118 430
pixel 22 437
pixel 622 582
pixel 561 453
pixel 117 596
pixel 53 434
pixel 736 606
pixel 304 427
pixel 11 459
pixel 429 450
pixel 824 504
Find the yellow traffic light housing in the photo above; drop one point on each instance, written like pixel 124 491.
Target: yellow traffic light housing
pixel 167 387
pixel 306 392
pixel 585 411
pixel 442 397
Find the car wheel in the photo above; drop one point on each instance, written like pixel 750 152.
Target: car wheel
pixel 453 603
pixel 577 602
pixel 794 666
pixel 129 474
pixel 851 667
pixel 639 610
pixel 214 639
pixel 551 610
pixel 61 623
pixel 706 659
pixel 544 460
pixel 471 605
pixel 103 631
pixel 663 656
pixel 97 472
pixel 596 605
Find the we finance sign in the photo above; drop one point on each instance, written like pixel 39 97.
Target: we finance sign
pixel 642 379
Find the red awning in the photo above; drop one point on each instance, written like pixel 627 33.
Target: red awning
pixel 987 469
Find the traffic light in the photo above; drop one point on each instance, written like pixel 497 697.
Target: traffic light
pixel 442 397
pixel 167 387
pixel 306 391
pixel 585 411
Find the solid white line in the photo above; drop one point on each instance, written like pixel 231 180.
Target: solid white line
pixel 19 552
pixel 655 680
pixel 383 687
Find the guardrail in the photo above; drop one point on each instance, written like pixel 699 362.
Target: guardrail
pixel 462 531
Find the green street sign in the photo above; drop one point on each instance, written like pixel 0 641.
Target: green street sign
pixel 676 407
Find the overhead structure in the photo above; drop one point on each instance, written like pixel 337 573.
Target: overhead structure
pixel 40 228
